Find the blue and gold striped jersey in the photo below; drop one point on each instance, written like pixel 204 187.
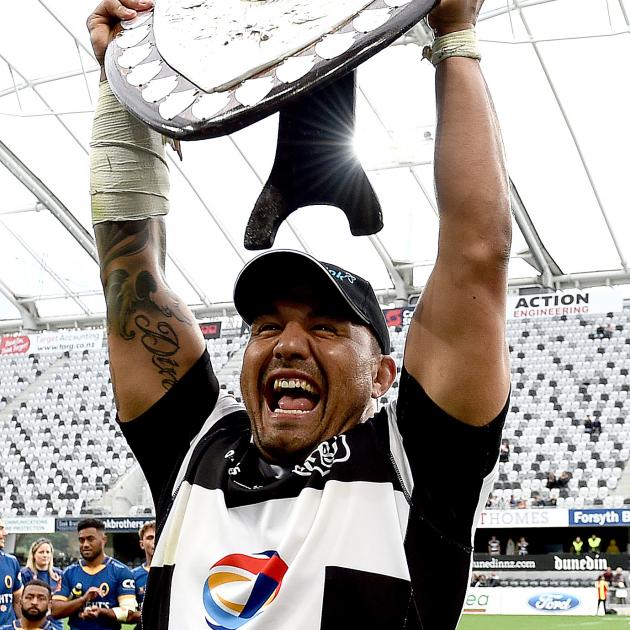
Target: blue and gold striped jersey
pixel 10 582
pixel 112 578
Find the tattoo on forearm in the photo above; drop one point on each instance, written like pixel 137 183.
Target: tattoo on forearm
pixel 134 306
pixel 118 240
pixel 162 343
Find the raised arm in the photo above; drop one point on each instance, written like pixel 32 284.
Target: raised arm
pixel 456 346
pixel 153 337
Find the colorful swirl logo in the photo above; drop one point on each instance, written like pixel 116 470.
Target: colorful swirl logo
pixel 240 587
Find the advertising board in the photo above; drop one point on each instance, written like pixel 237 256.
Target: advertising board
pixel 531 601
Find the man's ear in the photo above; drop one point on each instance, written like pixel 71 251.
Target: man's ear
pixel 385 376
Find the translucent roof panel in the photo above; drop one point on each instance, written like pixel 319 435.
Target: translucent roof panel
pixel 556 72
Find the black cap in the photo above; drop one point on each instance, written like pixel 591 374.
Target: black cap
pixel 264 276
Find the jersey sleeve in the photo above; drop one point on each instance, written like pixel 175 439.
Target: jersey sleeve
pixel 18 583
pixel 161 437
pixel 65 590
pixel 451 463
pixel 126 588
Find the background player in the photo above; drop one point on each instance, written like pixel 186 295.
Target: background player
pixel 97 592
pixel 141 573
pixel 39 566
pixel 10 582
pixel 34 608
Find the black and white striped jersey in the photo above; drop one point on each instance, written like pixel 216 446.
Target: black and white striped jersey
pixel 354 537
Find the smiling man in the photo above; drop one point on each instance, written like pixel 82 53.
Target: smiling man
pixel 308 508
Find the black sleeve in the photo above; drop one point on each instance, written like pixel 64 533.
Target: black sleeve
pixel 448 458
pixel 161 436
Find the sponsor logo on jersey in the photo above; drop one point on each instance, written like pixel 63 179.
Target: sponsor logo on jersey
pixel 104 588
pixel 77 591
pixel 8 581
pixel 128 583
pixel 321 460
pixel 553 602
pixel 240 587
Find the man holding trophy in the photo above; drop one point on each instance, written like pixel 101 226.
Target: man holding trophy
pixel 307 508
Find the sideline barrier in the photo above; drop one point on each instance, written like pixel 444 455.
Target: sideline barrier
pixel 531 601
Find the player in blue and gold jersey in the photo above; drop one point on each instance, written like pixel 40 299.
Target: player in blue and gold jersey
pixel 10 582
pixel 141 573
pixel 98 592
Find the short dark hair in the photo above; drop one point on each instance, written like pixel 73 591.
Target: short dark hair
pixel 145 528
pixel 37 582
pixel 90 522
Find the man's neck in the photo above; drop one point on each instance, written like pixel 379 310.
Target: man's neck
pixel 147 562
pixel 27 624
pixel 95 562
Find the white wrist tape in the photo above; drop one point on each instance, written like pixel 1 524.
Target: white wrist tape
pixel 121 613
pixel 128 172
pixel 457 44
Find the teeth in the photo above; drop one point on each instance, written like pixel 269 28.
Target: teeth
pixel 289 412
pixel 282 383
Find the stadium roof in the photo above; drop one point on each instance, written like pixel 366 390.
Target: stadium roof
pixel 558 73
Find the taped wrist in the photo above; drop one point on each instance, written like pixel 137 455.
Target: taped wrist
pixel 457 44
pixel 128 171
pixel 121 613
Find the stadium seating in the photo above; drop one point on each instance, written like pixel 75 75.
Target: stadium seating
pixel 64 451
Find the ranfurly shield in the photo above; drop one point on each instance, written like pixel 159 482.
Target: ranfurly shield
pixel 194 69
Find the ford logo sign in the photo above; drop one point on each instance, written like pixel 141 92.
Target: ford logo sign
pixel 553 602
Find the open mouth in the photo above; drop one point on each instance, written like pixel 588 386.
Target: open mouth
pixel 291 396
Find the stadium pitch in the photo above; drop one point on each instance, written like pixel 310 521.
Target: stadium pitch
pixel 509 622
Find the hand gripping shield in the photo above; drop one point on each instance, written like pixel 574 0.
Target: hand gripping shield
pixel 195 69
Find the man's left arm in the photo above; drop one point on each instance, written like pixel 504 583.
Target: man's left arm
pixel 456 347
pixel 17 593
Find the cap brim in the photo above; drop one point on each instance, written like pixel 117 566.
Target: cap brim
pixel 264 277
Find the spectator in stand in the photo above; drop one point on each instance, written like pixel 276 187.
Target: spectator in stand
pixel 577 545
pixel 504 451
pixel 39 566
pixel 619 579
pixel 521 504
pixel 493 580
pixel 620 585
pixel 494 546
pixel 480 580
pixel 563 479
pixel 512 501
pixel 552 482
pixel 510 548
pixel 613 547
pixel 588 425
pixel 602 593
pixel 609 331
pixel 608 575
pixel 34 608
pixel 522 546
pixel 597 426
pixel 594 543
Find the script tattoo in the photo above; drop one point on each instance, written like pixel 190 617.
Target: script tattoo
pixel 162 343
pixel 133 299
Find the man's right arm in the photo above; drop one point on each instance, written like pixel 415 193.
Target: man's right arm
pixel 153 337
pixel 61 606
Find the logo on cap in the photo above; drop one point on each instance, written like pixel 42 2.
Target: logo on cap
pixel 341 275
